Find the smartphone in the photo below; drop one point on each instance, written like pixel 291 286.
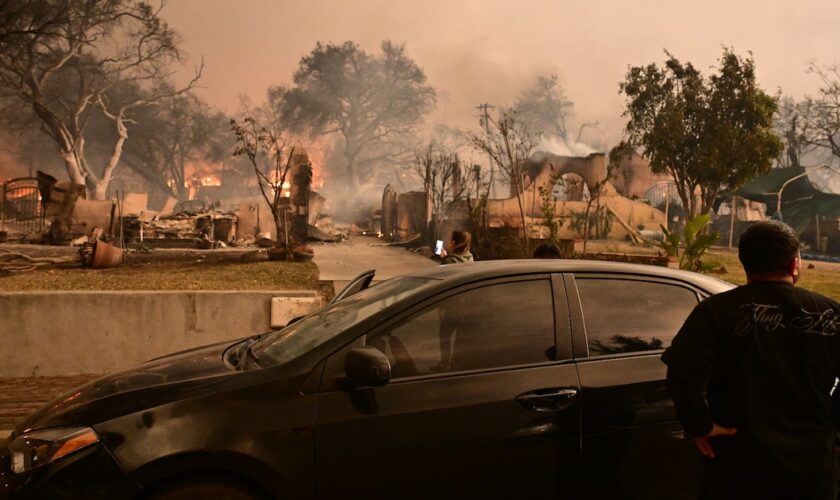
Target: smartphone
pixel 438 247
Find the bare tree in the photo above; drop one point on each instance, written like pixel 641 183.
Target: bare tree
pixel 445 179
pixel 91 59
pixel 597 188
pixel 271 158
pixel 174 133
pixel 21 18
pixel 508 141
pixel 821 129
pixel 545 106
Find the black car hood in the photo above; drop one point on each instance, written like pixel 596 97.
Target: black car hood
pixel 146 385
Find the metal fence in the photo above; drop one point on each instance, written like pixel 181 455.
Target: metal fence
pixel 661 191
pixel 22 211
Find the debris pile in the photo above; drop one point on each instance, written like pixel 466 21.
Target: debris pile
pixel 181 230
pixel 104 230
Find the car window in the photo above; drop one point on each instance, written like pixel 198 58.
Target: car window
pixel 493 326
pixel 292 341
pixel 629 315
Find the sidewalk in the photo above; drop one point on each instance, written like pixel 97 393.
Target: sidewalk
pixel 21 396
pixel 341 262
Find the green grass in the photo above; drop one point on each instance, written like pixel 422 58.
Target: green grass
pixel 824 278
pixel 265 275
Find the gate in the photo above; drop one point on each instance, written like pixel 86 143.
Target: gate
pixel 22 211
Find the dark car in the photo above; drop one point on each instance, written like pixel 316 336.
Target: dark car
pixel 520 379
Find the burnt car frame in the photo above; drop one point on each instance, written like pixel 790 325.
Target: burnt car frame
pixel 546 383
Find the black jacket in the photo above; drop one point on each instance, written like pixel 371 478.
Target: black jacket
pixel 762 358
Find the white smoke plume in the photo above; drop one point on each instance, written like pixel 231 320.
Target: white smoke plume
pixel 560 147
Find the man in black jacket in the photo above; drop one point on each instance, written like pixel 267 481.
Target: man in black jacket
pixel 751 374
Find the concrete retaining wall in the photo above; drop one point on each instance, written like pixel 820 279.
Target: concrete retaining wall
pixel 70 333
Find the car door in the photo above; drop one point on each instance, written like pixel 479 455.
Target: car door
pixel 482 401
pixel 633 446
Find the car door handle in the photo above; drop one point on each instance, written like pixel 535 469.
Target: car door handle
pixel 548 400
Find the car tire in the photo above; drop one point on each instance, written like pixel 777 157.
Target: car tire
pixel 203 489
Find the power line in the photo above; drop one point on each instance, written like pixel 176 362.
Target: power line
pixel 484 121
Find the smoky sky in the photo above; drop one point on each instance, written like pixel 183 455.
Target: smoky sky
pixel 477 51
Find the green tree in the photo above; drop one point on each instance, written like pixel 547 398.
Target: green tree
pixel 375 102
pixel 548 208
pixel 708 133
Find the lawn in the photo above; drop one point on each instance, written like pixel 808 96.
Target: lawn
pixel 820 277
pixel 263 275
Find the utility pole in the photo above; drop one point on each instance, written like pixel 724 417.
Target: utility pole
pixel 732 218
pixel 484 120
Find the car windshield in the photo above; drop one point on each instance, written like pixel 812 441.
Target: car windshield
pixel 298 338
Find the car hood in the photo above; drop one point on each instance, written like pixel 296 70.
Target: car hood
pixel 144 386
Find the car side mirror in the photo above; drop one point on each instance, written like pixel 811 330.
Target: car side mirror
pixel 367 367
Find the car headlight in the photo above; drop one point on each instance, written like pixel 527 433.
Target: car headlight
pixel 41 447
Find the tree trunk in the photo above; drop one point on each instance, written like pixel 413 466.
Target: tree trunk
pixel 74 170
pixel 350 171
pixel 100 190
pixel 519 192
pixel 586 222
pixel 687 199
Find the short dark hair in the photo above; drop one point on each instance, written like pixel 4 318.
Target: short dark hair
pixel 548 251
pixel 767 247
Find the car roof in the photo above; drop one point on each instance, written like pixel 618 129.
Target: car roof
pixel 470 271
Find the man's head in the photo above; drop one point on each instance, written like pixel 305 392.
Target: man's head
pixel 548 251
pixel 769 251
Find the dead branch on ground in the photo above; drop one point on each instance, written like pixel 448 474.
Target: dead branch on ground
pixel 15 262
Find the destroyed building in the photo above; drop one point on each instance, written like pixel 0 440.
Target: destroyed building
pixel 568 178
pixel 46 210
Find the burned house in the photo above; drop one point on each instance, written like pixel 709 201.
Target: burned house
pixel 567 178
pixel 47 210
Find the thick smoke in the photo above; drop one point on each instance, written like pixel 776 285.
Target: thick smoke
pixel 559 147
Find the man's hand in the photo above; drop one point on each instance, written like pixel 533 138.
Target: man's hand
pixel 703 443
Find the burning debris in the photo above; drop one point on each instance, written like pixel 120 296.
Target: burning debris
pixel 102 229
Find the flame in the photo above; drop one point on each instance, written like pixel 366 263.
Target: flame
pixel 22 193
pixel 211 180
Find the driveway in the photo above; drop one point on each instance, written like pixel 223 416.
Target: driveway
pixel 341 262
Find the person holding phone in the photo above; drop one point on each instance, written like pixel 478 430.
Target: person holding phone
pixel 458 249
pixel 453 325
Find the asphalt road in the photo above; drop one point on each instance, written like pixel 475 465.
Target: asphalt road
pixel 341 262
